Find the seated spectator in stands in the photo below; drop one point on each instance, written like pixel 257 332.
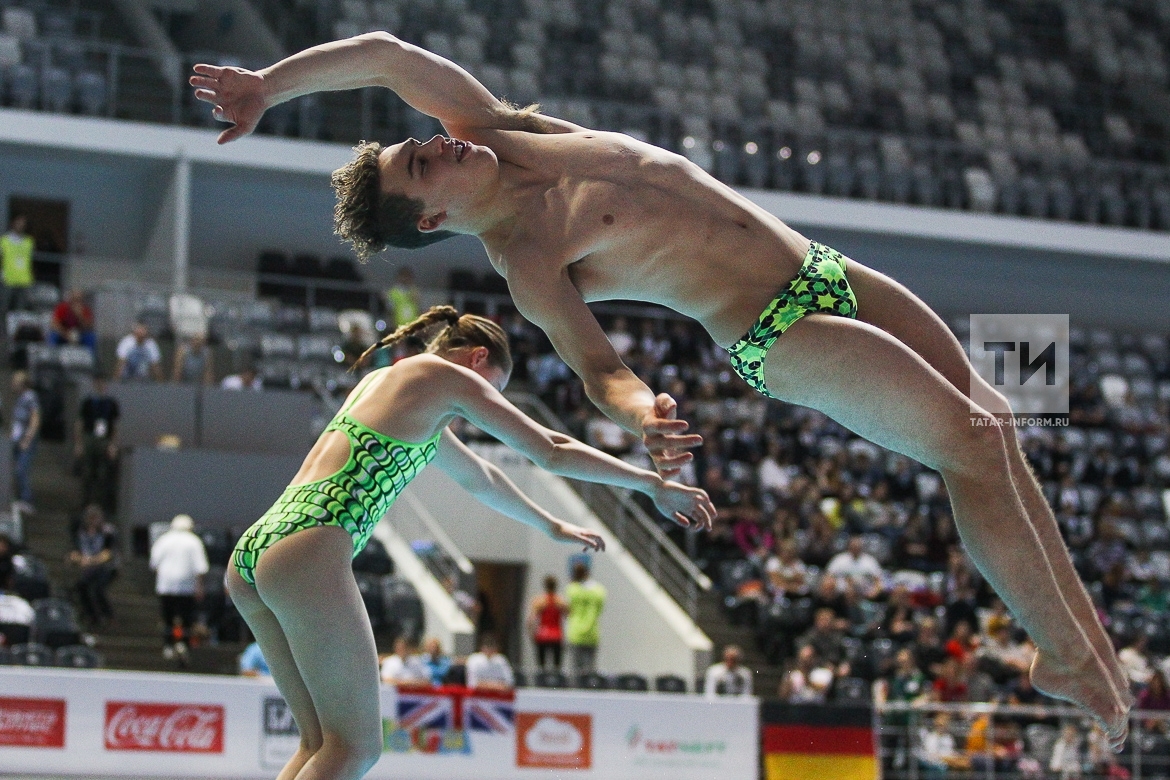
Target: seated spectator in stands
pixel 607 436
pixel 860 567
pixel 252 663
pixel 753 538
pixel 821 541
pixel 620 337
pixel 829 595
pixel 1108 550
pixel 1066 753
pixel 72 322
pixel 95 445
pixel 928 647
pixel 405 666
pixel 898 620
pixel 826 639
pixel 96 546
pixel 962 643
pixel 436 661
pixel 1139 568
pixel 489 669
pixel 773 474
pixel 1135 659
pixel 1155 696
pixel 1100 760
pixel 808 681
pixel 14 608
pixel 951 683
pixel 247 379
pixel 912 549
pixel 353 346
pixel 194 363
pixel 139 358
pixel 729 677
pixel 1005 749
pixel 908 683
pixel 786 574
pixel 1154 596
pixel 26 431
pixel 936 752
pixel 1002 657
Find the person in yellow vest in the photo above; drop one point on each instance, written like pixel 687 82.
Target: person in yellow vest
pixel 16 263
pixel 403 297
pixel 586 598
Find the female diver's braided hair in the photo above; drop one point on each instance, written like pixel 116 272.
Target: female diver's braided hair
pixel 467 330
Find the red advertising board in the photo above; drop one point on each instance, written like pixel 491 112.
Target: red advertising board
pixel 32 722
pixel 170 728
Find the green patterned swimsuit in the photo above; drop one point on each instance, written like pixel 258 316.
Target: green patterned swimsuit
pixel 355 498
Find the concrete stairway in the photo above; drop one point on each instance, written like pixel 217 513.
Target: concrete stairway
pixel 134 639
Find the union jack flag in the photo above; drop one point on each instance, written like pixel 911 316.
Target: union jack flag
pixel 489 713
pixel 427 710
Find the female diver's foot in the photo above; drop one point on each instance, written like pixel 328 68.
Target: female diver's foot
pixel 1085 687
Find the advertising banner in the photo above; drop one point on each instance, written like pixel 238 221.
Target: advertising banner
pixel 130 724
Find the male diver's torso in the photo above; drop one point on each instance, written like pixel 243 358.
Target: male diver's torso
pixel 632 221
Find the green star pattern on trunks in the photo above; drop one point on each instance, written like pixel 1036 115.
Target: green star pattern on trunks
pixel 355 498
pixel 820 286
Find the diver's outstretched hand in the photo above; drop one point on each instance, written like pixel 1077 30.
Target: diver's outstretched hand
pixel 690 507
pixel 567 532
pixel 237 95
pixel 666 437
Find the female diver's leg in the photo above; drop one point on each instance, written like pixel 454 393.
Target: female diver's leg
pixel 893 308
pixel 285 674
pixel 307 582
pixel 872 383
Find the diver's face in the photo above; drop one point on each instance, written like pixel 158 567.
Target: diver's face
pixel 446 174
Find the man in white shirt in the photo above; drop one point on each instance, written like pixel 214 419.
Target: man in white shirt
pixel 729 678
pixel 179 561
pixel 139 358
pixel 860 567
pixel 406 666
pixel 489 669
pixel 245 380
pixel 13 607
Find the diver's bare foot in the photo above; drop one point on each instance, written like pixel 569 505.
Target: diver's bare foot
pixel 1087 688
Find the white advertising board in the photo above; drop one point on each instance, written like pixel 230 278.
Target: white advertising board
pixel 131 724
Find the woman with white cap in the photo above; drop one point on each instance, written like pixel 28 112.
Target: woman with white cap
pixel 179 561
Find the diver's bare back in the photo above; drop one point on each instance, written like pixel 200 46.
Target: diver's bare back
pixel 632 221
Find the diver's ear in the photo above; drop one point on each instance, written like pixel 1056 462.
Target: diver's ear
pixel 479 357
pixel 431 224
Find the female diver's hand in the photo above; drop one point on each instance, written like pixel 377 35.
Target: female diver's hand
pixel 237 95
pixel 690 507
pixel 567 532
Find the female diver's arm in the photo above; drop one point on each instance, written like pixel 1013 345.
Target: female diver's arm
pixel 481 404
pixel 492 487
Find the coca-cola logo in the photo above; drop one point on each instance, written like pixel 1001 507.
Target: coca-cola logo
pixel 32 722
pixel 177 728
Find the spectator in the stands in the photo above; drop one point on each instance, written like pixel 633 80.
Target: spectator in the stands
pixel 72 322
pixel 951 683
pixel 820 542
pixel 1066 753
pixel 436 661
pixel 489 669
pixel 962 643
pixel 179 561
pixel 898 620
pixel 828 595
pixel 546 617
pixel 928 647
pixel 937 753
pixel 405 666
pixel 26 431
pixel 620 337
pixel 786 574
pixel 139 358
pixel 826 639
pixel 1135 658
pixel 858 566
pixel 606 435
pixel 1108 550
pixel 95 548
pixel 402 298
pixel 728 677
pixel 14 609
pixel 807 681
pixel 247 379
pixel 7 551
pixel 16 264
pixel 194 363
pixel 252 663
pixel 586 597
pixel 353 346
pixel 908 683
pixel 95 445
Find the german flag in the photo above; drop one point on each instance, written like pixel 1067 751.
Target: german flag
pixel 818 742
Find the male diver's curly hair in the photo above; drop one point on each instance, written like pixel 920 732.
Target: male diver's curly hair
pixel 370 220
pixel 467 330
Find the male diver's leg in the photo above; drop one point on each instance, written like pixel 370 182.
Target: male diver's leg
pixel 307 582
pixel 274 646
pixel 872 383
pixel 890 306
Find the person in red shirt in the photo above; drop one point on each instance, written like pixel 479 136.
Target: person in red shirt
pixel 72 322
pixel 546 624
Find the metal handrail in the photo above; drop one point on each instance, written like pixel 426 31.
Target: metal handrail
pixel 638 532
pixel 432 525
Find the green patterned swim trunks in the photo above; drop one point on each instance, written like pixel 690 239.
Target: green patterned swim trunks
pixel 819 287
pixel 355 498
